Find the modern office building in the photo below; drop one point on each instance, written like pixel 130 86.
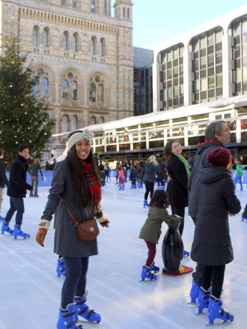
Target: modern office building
pixel 143 82
pixel 82 54
pixel 202 65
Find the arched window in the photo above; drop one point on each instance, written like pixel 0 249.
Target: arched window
pixel 93 120
pixel 93 92
pixel 65 89
pixel 35 36
pixel 65 41
pixel 101 93
pixel 75 42
pixel 46 37
pixel 65 124
pixel 124 9
pixel 97 90
pixel 128 13
pixel 74 3
pixel 93 46
pixel 41 87
pixel 74 90
pixel 45 87
pixel 74 122
pixel 101 120
pixel 93 7
pixel 102 47
pixel 69 86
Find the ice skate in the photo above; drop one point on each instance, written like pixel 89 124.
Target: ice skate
pixel 154 268
pixel 215 311
pixel 18 232
pixel 60 267
pixel 194 291
pixel 5 228
pixel 203 300
pixel 145 204
pixel 67 318
pixel 148 274
pixel 82 310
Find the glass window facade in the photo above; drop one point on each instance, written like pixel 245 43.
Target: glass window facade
pixel 239 56
pixel 207 81
pixel 172 78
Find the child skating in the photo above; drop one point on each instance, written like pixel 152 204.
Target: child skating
pixel 151 231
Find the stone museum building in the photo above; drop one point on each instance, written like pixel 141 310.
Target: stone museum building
pixel 82 52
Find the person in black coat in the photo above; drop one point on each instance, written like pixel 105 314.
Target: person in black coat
pixel 217 134
pixel 178 170
pixel 3 180
pixel 212 243
pixel 17 189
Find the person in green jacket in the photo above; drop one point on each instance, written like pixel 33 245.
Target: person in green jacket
pixel 239 175
pixel 151 230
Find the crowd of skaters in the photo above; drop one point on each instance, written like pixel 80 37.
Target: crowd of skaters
pixel 132 172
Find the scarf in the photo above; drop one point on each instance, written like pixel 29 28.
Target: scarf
pixel 185 162
pixel 209 141
pixel 94 189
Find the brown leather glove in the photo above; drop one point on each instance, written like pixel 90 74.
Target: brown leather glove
pixel 105 223
pixel 42 231
pixel 40 236
pixel 102 219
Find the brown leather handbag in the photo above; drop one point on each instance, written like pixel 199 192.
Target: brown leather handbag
pixel 87 230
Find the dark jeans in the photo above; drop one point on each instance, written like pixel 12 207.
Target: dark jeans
pixel 16 204
pixel 149 185
pixel 214 275
pixel 75 280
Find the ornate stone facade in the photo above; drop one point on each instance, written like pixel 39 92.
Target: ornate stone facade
pixel 82 54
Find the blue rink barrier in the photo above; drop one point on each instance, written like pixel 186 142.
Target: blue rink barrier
pixel 48 177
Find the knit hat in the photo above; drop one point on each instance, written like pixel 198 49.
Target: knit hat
pixel 220 157
pixel 78 136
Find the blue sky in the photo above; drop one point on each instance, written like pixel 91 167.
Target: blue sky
pixel 158 20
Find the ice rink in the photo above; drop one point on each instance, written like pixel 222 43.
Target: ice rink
pixel 30 288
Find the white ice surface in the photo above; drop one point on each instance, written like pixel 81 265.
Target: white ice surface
pixel 30 289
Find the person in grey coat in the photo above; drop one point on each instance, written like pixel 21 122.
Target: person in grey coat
pixel 76 184
pixel 151 230
pixel 212 243
pixel 148 175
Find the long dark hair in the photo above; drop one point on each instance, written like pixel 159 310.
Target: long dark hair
pixel 168 150
pixel 160 199
pixel 78 179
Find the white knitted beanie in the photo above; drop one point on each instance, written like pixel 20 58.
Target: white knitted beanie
pixel 78 136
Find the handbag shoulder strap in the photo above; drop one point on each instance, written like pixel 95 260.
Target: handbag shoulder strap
pixel 70 214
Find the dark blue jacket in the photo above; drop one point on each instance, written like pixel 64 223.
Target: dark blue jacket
pixel 17 180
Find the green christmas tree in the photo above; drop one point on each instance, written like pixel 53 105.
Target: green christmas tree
pixel 24 115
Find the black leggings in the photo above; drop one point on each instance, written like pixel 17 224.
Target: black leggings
pixel 214 275
pixel 149 185
pixel 75 280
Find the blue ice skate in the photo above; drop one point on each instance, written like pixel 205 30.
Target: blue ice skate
pixel 215 311
pixel 18 232
pixel 82 309
pixel 67 318
pixel 61 267
pixel 148 273
pixel 5 228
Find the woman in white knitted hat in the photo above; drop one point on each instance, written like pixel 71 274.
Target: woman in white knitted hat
pixel 76 188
